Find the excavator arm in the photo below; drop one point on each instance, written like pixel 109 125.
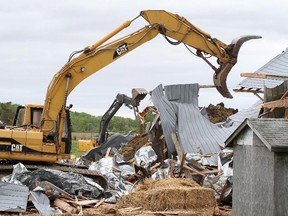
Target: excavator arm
pixel 174 28
pixel 115 106
pixel 133 102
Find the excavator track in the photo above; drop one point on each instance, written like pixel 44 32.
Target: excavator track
pixel 7 169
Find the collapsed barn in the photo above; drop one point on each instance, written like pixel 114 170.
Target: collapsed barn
pixel 181 164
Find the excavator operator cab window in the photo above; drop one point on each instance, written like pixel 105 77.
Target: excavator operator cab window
pixel 36 116
pixel 19 118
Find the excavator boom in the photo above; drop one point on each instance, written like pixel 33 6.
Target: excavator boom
pixel 97 56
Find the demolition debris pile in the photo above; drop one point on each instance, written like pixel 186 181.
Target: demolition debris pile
pixel 143 173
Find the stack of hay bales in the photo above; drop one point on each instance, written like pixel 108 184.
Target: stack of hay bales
pixel 172 194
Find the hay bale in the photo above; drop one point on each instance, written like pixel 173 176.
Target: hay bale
pixel 151 184
pixel 200 198
pixel 170 194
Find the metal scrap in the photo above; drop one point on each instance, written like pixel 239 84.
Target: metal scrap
pixel 13 197
pixel 42 202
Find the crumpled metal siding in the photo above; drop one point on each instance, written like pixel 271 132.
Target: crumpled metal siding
pixel 197 134
pixel 13 198
pixel 167 115
pixel 180 114
pixel 276 66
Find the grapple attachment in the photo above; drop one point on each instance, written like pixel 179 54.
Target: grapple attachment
pixel 222 72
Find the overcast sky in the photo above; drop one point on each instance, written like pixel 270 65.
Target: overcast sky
pixel 37 38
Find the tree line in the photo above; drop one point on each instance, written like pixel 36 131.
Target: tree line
pixel 81 122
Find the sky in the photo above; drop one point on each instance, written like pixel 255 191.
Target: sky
pixel 37 38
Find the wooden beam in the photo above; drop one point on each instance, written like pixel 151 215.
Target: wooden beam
pixel 187 170
pixel 282 102
pixel 257 95
pixel 275 104
pixel 206 86
pixel 180 154
pixel 65 206
pixel 286 113
pixel 264 76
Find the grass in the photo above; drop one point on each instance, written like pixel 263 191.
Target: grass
pixel 75 149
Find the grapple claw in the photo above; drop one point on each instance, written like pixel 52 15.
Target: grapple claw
pixel 222 72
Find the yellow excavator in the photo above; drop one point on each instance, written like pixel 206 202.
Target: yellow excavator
pixel 42 133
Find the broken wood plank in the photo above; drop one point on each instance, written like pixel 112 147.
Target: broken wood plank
pixel 177 146
pixel 180 154
pixel 108 152
pixel 206 86
pixel 206 172
pixel 46 184
pixel 155 166
pixel 65 206
pixel 131 209
pixel 275 104
pixel 286 113
pixel 182 162
pixel 99 203
pixel 257 95
pixel 264 76
pixel 172 167
pixel 87 202
pixel 193 170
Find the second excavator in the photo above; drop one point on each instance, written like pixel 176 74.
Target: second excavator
pixel 133 102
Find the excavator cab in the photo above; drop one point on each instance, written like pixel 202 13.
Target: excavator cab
pixel 22 140
pixel 29 115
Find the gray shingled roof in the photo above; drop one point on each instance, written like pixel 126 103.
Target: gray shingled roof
pixel 271 131
pixel 180 114
pixel 276 66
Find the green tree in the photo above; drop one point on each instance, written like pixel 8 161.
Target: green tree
pixel 81 122
pixel 7 112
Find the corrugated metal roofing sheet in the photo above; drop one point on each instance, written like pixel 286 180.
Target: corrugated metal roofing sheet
pixel 180 114
pixel 13 198
pixel 276 66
